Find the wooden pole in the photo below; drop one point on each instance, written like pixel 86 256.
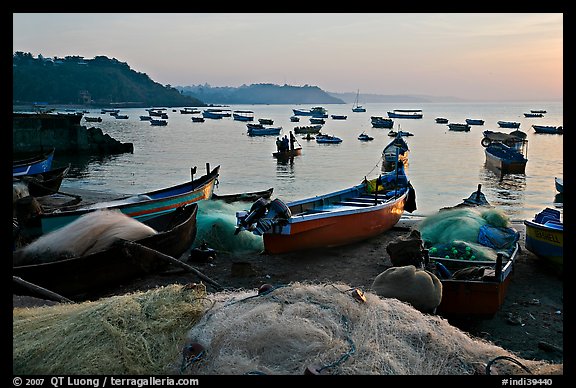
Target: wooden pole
pixel 178 263
pixel 41 290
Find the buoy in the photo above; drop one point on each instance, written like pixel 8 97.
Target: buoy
pixel 265 288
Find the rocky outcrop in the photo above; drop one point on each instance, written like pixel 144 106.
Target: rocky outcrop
pixel 36 131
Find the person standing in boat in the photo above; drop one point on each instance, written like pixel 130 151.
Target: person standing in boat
pixel 285 143
pixel 292 140
pixel 278 144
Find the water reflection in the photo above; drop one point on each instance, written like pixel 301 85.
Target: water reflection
pixel 81 165
pixel 285 168
pixel 504 189
pixel 559 200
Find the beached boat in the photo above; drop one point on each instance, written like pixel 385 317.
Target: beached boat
pixel 508 124
pixel 381 122
pixel 316 111
pixel 243 115
pixel 505 152
pixel 406 114
pixel 41 162
pixel 531 114
pixel 474 122
pixel 548 129
pixel 329 220
pixel 472 286
pixel 121 262
pixel 356 107
pixel 441 120
pixel 141 207
pixel 559 183
pixel 244 197
pixel 90 119
pixel 460 127
pixel 545 237
pixel 44 183
pixel 257 129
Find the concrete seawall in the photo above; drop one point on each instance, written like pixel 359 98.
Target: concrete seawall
pixel 32 132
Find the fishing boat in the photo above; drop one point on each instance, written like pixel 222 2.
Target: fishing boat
pixel 406 114
pixel 508 124
pixel 90 119
pixel 197 119
pixel 41 162
pixel 329 220
pixel 505 152
pixel 364 137
pixel 189 111
pixel 316 111
pixel 317 120
pixel 339 117
pixel 474 121
pixel 395 151
pixel 288 153
pixel 141 206
pixel 145 118
pixel 121 117
pixel 460 127
pixel 266 121
pixel 327 139
pixel 545 237
pixel 122 261
pixel 262 130
pixel 441 120
pixel 538 111
pixel 158 122
pixel 393 133
pixel 548 129
pixel 472 286
pixel 532 114
pixel 308 129
pixel 381 122
pixel 44 183
pixel 559 183
pixel 243 197
pixel 356 107
pixel 215 113
pixel 294 119
pixel 243 115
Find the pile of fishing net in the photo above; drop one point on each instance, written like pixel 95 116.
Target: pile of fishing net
pixel 293 329
pixel 137 333
pixel 216 221
pixel 465 233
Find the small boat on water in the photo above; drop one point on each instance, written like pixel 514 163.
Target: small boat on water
pixel 551 129
pixel 243 115
pixel 38 163
pixel 294 119
pixel 505 152
pixel 545 237
pixel 216 113
pixel 140 206
pixel 122 261
pixel 288 153
pixel 197 119
pixel 329 220
pixel 508 124
pixel 393 133
pixel 474 122
pixel 308 129
pixel 145 118
pixel 441 120
pixel 327 139
pixel 90 119
pixel 365 137
pixel 537 111
pixel 559 183
pixel 265 121
pixel 244 197
pixel 189 111
pixel 531 114
pixel 121 117
pixel 405 114
pixel 43 183
pixel 257 129
pixel 381 122
pixel 317 120
pixel 316 111
pixel 357 107
pixel 460 127
pixel 339 117
pixel 157 122
pixel 395 151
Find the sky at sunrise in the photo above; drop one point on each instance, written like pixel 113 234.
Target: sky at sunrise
pixel 474 56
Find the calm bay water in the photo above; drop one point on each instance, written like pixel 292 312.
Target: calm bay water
pixel 444 166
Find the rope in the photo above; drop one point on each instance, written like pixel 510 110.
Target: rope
pixel 489 365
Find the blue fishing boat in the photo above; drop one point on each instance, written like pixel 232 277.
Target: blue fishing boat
pixel 243 115
pixel 505 152
pixel 406 114
pixel 559 183
pixel 33 165
pixel 316 111
pixel 328 139
pixel 508 124
pixel 474 121
pixel 262 130
pixel 381 122
pixel 548 129
pixel 141 206
pixel 545 237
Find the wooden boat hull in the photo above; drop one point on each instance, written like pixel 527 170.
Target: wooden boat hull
pixel 335 228
pixel 159 202
pixel 548 129
pixel 505 166
pixel 177 232
pixel 546 243
pixel 395 115
pixel 287 154
pixel 33 165
pixel 478 298
pixel 45 183
pixel 245 197
pixel 559 183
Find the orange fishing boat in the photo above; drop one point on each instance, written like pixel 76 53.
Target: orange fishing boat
pixel 334 219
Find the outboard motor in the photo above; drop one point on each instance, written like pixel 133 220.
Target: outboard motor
pixel 262 216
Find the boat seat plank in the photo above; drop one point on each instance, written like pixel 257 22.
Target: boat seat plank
pixel 363 200
pixel 351 203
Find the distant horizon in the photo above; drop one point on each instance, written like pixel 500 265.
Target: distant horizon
pixel 475 56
